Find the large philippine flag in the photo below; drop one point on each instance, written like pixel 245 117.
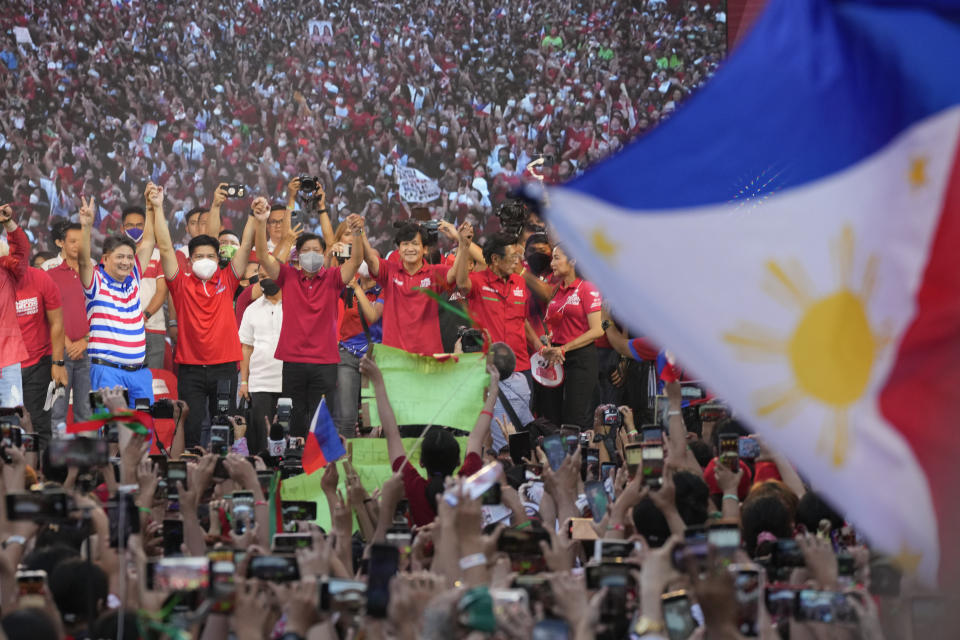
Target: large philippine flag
pixel 793 235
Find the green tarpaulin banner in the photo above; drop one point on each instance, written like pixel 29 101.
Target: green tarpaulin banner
pixel 425 390
pixel 372 464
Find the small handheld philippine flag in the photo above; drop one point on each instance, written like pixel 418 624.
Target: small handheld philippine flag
pixel 323 443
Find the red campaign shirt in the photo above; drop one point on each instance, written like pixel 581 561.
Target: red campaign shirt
pixel 411 319
pixel 75 323
pixel 415 487
pixel 309 330
pixel 36 294
pixel 567 312
pixel 500 306
pixel 207 327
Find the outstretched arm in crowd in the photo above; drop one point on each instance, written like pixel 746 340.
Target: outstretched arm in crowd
pixel 388 420
pixel 461 267
pixel 242 256
pixel 482 427
pixel 371 257
pixel 349 268
pixel 214 224
pixel 261 210
pixel 86 224
pixel 326 227
pixel 154 198
pixel 168 257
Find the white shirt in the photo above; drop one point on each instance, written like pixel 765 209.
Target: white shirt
pixel 260 328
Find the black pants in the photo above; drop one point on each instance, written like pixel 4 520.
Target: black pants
pixel 571 402
pixel 263 406
pixel 305 384
pixel 36 380
pixel 197 386
pixel 608 360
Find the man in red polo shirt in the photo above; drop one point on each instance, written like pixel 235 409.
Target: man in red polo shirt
pixel 308 335
pixel 410 317
pixel 498 300
pixel 76 327
pixel 208 347
pixel 41 325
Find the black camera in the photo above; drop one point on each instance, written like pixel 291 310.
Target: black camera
pixel 161 409
pixel 471 340
pixel 343 254
pixel 512 214
pixel 612 418
pixel 309 185
pixel 223 397
pixel 432 229
pixel 236 191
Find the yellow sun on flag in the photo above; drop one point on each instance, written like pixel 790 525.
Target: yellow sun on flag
pixel 831 351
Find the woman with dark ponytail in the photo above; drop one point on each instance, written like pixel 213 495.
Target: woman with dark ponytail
pixel 439 452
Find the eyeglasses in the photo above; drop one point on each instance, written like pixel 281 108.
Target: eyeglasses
pixel 280 221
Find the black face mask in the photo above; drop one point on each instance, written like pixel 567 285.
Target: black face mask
pixel 539 262
pixel 270 288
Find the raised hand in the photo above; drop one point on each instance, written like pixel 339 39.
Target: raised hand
pixel 370 369
pixel 6 214
pixel 156 197
pixel 219 194
pixel 85 214
pixel 261 209
pixel 466 233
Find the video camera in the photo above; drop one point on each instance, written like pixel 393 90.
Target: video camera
pixel 471 340
pixel 513 215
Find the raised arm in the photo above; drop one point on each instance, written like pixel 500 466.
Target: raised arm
pixel 371 257
pixel 482 426
pixel 86 223
pixel 388 421
pixel 261 210
pixel 214 224
pixel 242 256
pixel 461 266
pixel 372 311
pixel 154 195
pixel 18 243
pixel 451 232
pixel 349 268
pixel 168 256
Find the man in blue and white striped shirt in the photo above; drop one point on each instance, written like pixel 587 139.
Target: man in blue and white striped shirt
pixel 118 345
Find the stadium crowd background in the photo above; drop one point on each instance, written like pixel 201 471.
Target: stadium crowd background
pixel 109 95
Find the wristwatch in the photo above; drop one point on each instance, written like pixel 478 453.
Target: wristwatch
pixel 59 363
pixel 147 314
pixel 20 540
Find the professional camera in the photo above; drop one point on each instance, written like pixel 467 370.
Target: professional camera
pixel 471 340
pixel 512 214
pixel 161 409
pixel 309 185
pixel 236 191
pixel 611 417
pixel 432 227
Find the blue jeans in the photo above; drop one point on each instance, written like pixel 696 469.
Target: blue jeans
pixel 78 381
pixel 11 386
pixel 139 384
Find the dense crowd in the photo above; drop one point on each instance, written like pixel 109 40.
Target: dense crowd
pixel 205 256
pixel 109 95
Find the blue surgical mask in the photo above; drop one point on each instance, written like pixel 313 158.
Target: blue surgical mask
pixel 134 234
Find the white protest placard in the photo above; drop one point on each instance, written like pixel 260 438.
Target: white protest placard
pixel 22 35
pixel 415 187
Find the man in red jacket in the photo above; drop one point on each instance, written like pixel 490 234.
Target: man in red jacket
pixel 12 349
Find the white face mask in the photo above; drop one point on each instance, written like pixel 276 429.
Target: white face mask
pixel 311 261
pixel 204 268
pixel 363 270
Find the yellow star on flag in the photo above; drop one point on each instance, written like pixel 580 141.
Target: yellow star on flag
pixel 918 172
pixel 602 244
pixel 906 560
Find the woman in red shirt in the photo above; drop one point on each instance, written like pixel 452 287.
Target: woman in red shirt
pixel 573 324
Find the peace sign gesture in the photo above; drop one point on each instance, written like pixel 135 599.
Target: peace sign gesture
pixel 86 212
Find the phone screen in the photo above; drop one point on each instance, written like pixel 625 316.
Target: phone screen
pixel 634 456
pixel 747 584
pixel 520 447
pixel 597 499
pixel 606 469
pixel 652 465
pixel 176 471
pixel 730 451
pixel 553 447
pixel 384 561
pixel 172 537
pixel 677 616
pixel 651 434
